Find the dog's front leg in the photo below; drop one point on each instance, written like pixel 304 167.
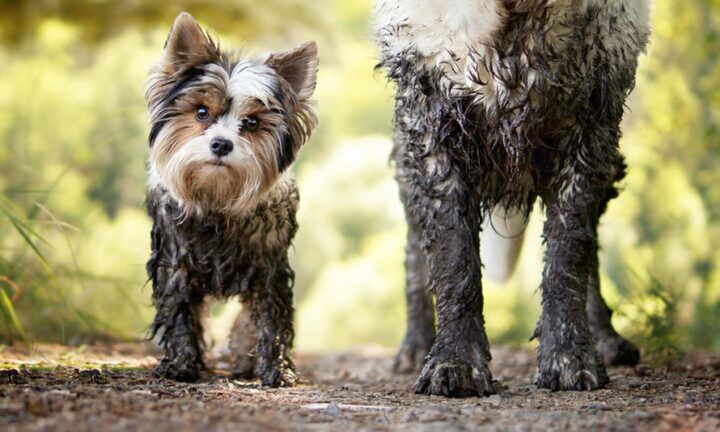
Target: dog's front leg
pixel 458 363
pixel 178 305
pixel 567 359
pixel 272 312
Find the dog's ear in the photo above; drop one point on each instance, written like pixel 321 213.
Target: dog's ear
pixel 299 67
pixel 188 45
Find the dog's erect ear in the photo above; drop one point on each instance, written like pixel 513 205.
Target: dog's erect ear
pixel 188 45
pixel 298 67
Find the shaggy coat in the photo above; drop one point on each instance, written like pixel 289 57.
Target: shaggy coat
pixel 224 131
pixel 500 102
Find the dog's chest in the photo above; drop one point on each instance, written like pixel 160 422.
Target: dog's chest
pixel 226 254
pixel 496 48
pixel 438 29
pixel 466 40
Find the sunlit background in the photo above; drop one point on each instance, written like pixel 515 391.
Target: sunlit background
pixel 74 236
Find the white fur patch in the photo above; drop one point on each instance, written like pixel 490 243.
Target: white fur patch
pixel 443 31
pixel 252 80
pixel 453 35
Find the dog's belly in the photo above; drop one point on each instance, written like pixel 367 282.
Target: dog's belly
pixel 441 30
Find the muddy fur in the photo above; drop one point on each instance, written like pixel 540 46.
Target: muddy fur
pixel 225 130
pixel 244 257
pixel 530 108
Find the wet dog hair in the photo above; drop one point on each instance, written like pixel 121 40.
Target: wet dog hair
pixel 500 103
pixel 224 131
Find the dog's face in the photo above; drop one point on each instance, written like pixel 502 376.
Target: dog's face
pixel 222 129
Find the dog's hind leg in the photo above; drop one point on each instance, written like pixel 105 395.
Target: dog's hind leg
pixel 420 333
pixel 242 344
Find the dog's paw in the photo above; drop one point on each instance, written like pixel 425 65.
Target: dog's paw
pixel 411 356
pixel 617 351
pixel 177 371
pixel 454 378
pixel 559 370
pixel 278 377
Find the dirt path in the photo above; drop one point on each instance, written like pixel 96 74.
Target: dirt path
pixel 110 388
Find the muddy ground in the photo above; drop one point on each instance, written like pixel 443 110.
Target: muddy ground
pixel 110 387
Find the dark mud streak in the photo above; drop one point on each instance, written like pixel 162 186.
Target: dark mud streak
pixel 223 256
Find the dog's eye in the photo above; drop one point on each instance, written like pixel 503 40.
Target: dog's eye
pixel 202 113
pixel 250 124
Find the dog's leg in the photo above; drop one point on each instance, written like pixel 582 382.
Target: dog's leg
pixel 272 312
pixel 242 343
pixel 567 359
pixel 613 348
pixel 420 333
pixel 178 304
pixel 458 363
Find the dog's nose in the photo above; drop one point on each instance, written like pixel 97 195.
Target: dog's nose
pixel 221 146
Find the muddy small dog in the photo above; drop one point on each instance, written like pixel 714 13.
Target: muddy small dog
pixel 224 131
pixel 499 103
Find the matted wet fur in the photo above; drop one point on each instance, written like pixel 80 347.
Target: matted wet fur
pixel 500 102
pixel 224 131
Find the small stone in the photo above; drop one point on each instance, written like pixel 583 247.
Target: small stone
pixel 409 416
pixel 643 370
pixel 332 410
pixel 598 406
pixel 433 414
pixel 494 399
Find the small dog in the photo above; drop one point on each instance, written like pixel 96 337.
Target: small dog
pixel 224 131
pixel 500 102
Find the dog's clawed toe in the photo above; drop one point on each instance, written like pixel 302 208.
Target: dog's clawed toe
pixel 617 351
pixel 177 370
pixel 454 378
pixel 411 356
pixel 564 371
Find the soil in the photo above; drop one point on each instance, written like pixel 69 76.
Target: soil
pixel 110 387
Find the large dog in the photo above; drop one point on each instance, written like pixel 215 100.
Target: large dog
pixel 500 102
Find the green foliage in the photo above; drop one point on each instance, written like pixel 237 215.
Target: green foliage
pixel 74 236
pixel 98 20
pixel 654 321
pixel 664 228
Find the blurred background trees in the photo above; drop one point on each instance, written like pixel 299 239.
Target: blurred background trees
pixel 74 235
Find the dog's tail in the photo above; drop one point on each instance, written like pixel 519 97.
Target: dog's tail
pixel 501 242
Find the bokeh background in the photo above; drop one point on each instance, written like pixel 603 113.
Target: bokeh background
pixel 74 236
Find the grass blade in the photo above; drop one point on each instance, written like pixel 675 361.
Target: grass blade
pixel 9 311
pixel 26 232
